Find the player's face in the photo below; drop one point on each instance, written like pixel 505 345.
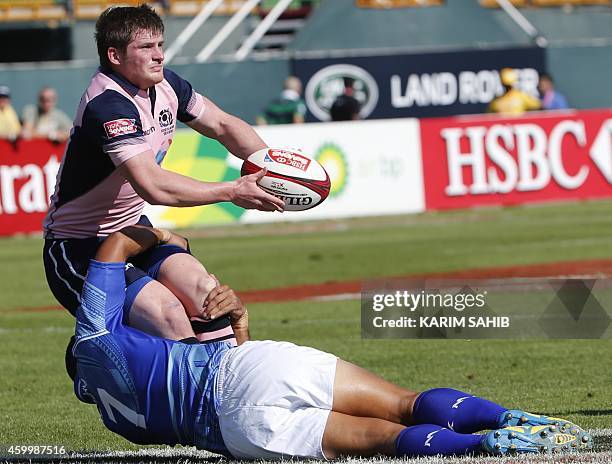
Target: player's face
pixel 142 61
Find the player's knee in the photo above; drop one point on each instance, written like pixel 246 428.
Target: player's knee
pixel 406 405
pixel 201 288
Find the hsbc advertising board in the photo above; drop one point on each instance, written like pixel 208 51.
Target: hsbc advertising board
pixel 487 160
pixel 416 85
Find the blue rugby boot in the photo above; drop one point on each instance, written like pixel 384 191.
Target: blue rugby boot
pixel 544 439
pixel 516 417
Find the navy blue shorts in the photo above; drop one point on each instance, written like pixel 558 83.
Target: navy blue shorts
pixel 66 262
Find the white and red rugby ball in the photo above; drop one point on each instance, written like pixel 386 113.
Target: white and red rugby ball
pixel 292 176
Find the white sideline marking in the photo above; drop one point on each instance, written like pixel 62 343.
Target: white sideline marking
pixel 338 297
pixel 29 330
pixel 187 455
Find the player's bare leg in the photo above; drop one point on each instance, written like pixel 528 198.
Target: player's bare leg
pixel 155 310
pixel 158 312
pixel 188 279
pixel 359 392
pixel 347 435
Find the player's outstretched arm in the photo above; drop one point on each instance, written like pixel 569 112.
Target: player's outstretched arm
pixel 132 240
pixel 234 133
pixel 160 187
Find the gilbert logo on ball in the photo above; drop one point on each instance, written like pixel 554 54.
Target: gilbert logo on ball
pixel 294 177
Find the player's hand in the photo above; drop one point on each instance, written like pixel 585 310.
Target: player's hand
pixel 223 300
pixel 170 238
pixel 249 195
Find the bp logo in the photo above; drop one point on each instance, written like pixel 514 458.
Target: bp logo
pixel 327 84
pixel 333 160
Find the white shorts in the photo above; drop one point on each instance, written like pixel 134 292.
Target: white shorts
pixel 273 400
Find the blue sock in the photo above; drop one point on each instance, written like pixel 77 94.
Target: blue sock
pixel 456 410
pixel 429 440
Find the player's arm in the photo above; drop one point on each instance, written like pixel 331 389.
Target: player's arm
pixel 133 240
pixel 223 300
pixel 161 187
pixel 235 134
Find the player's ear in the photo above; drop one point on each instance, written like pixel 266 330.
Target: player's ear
pixel 70 360
pixel 114 56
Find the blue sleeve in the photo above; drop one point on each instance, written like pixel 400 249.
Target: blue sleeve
pixel 185 94
pixel 101 308
pixel 111 119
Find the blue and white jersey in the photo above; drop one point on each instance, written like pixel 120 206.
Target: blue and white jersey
pixel 149 390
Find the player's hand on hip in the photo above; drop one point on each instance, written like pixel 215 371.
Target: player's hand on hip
pixel 249 195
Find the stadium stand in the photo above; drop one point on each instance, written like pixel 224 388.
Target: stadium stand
pixel 32 10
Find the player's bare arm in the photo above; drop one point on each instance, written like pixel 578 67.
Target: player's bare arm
pixel 133 240
pixel 161 187
pixel 235 134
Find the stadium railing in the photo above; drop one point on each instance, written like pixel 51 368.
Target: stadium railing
pixel 545 3
pixel 397 3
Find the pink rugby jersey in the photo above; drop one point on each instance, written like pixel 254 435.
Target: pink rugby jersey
pixel 115 121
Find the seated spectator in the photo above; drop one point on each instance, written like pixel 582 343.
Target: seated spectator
pixel 346 107
pixel 289 108
pixel 551 99
pixel 514 102
pixel 45 120
pixel 9 122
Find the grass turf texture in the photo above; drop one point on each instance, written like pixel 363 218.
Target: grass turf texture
pixel 568 378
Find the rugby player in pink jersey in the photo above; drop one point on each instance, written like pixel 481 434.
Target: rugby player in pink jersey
pixel 123 128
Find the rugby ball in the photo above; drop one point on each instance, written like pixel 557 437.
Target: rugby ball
pixel 292 176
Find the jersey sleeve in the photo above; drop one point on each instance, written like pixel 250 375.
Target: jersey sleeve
pixel 190 103
pixel 102 297
pixel 113 121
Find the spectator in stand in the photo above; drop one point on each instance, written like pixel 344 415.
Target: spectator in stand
pixel 514 102
pixel 551 99
pixel 346 107
pixel 9 122
pixel 45 120
pixel 289 108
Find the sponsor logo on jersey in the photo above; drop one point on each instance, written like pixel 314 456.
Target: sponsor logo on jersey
pixel 149 131
pixel 166 122
pixel 289 158
pixel 119 127
pixel 165 118
pixel 328 84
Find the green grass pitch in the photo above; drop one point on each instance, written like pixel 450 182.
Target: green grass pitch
pixel 562 377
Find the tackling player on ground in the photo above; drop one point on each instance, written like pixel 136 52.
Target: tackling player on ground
pixel 268 400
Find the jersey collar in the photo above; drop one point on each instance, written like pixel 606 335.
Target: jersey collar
pixel 122 81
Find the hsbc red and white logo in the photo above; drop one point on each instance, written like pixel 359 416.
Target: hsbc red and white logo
pixel 497 161
pixel 119 127
pixel 290 159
